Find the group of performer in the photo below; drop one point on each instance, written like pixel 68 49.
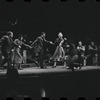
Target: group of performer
pixel 65 51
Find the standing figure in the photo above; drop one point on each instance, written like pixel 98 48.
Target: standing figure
pixel 98 52
pixel 59 54
pixel 81 53
pixel 24 51
pixel 0 54
pixel 17 58
pixel 40 42
pixel 93 53
pixel 6 48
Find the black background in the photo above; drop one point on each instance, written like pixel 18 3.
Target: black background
pixel 76 20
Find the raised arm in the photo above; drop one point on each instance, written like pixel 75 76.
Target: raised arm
pixel 48 41
pixel 34 42
pixel 16 42
pixel 26 45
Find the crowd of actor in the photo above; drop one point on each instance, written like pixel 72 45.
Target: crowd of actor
pixel 15 52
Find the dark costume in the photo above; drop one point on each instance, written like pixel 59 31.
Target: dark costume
pixel 6 49
pixel 81 54
pixel 40 44
pixel 73 57
pixel 93 54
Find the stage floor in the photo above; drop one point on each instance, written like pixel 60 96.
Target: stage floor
pixel 56 82
pixel 36 72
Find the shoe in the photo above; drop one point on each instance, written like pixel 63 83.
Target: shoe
pixel 80 66
pixel 53 66
pixel 64 66
pixel 45 67
pixel 41 67
pixel 67 67
pixel 96 64
pixel 37 64
pixel 20 68
pixel 72 69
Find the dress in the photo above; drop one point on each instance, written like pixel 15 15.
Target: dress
pixel 17 57
pixel 59 53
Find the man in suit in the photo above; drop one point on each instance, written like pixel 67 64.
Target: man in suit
pixel 41 41
pixel 6 48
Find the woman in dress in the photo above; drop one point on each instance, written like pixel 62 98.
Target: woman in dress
pixel 59 54
pixel 17 57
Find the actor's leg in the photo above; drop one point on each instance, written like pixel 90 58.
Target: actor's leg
pixel 41 58
pixel 6 57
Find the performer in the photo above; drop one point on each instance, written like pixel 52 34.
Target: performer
pixel 40 42
pixel 81 52
pixel 6 48
pixel 0 54
pixel 24 51
pixel 59 54
pixel 17 57
pixel 93 53
pixel 73 56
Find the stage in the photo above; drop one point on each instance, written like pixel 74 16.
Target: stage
pixel 32 71
pixel 54 83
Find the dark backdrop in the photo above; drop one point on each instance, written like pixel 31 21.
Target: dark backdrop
pixel 76 20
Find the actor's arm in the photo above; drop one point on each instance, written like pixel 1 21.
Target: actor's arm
pixel 26 45
pixel 34 41
pixel 48 41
